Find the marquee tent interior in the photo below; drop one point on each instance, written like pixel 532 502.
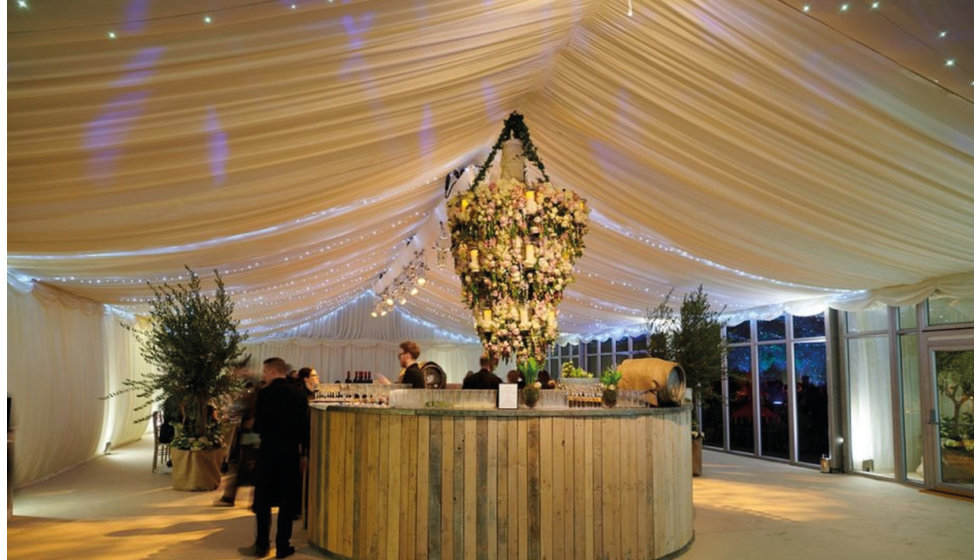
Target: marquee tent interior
pixel 786 155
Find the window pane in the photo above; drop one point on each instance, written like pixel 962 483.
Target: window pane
pixel 607 346
pixel 908 347
pixel 740 394
pixel 812 438
pixel 906 317
pixel 772 330
pixel 774 400
pixel 639 345
pixel 592 347
pixel 869 406
pixel 623 344
pixel 741 332
pixel 592 364
pixel 808 327
pixel 621 357
pixel 946 311
pixel 605 361
pixel 874 319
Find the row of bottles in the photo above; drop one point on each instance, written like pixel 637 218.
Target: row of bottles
pixel 359 377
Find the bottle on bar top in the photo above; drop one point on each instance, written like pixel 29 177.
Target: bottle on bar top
pixel 348 377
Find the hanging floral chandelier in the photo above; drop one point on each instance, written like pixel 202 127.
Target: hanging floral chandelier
pixel 514 243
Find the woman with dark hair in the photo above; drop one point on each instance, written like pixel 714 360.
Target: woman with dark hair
pixel 309 380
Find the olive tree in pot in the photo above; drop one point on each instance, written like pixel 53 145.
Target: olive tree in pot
pixel 195 344
pixel 693 338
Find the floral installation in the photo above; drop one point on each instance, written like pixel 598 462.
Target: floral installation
pixel 514 245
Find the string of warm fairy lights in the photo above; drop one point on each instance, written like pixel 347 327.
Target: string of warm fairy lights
pixel 322 247
pixel 655 243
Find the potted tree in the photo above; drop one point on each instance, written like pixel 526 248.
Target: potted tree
pixel 693 338
pixel 195 345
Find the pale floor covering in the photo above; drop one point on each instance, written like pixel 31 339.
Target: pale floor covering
pixel 114 508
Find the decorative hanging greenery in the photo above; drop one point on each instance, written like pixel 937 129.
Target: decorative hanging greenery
pixel 514 127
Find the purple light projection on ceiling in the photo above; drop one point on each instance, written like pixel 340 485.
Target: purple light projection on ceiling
pixel 217 146
pixel 135 18
pixel 105 135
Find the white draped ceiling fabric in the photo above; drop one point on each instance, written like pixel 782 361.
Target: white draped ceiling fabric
pixel 784 158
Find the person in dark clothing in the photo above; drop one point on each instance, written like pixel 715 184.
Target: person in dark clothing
pixel 282 422
pixel 408 356
pixel 309 381
pixel 483 379
pixel 246 440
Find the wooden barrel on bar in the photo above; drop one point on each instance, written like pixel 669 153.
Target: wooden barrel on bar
pixel 665 381
pixel 578 483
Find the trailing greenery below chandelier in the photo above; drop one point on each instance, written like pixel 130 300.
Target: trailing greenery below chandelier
pixel 514 245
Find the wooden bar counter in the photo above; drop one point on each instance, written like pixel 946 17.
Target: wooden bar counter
pixel 488 484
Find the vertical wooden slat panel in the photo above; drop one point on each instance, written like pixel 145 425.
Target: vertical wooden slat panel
pixel 610 534
pixel 503 489
pixel 659 482
pixel 512 503
pixel 424 460
pixel 481 489
pixel 568 496
pixel 587 489
pixel 391 498
pixel 408 481
pixel 379 508
pixel 522 488
pixel 448 486
pixel 643 490
pixel 360 458
pixel 347 521
pixel 533 489
pixel 558 538
pixel 369 486
pixel 434 529
pixel 466 475
pixel 629 531
pixel 492 425
pixel 545 442
pixel 577 487
pixel 597 490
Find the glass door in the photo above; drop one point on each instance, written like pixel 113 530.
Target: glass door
pixel 950 418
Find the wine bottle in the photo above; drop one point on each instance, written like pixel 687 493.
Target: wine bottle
pixel 348 377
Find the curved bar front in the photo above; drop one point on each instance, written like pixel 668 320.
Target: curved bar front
pixel 430 483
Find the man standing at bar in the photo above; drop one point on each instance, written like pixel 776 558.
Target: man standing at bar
pixel 282 422
pixel 408 356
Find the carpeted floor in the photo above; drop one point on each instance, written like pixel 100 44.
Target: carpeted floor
pixel 114 508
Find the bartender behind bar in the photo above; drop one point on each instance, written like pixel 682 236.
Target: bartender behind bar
pixel 408 359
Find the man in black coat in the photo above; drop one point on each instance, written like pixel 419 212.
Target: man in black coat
pixel 483 379
pixel 408 356
pixel 282 421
